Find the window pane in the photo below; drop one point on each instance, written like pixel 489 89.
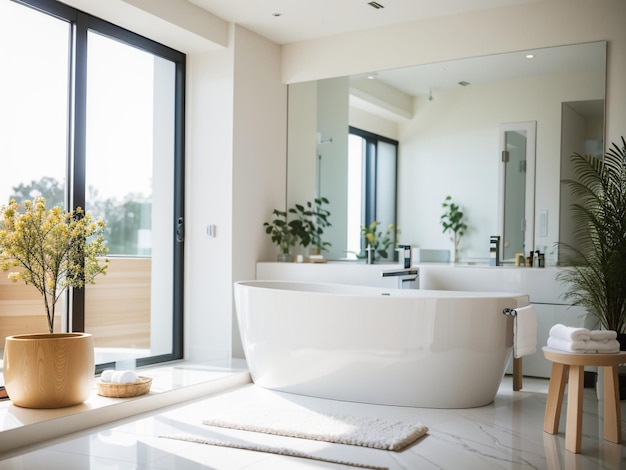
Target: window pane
pixel 33 103
pixel 129 179
pixel 355 190
pixel 33 137
pixel 386 183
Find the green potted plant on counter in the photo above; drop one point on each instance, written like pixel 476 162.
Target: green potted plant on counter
pixel 596 274
pixel 311 220
pixel 305 228
pixel 283 233
pixel 52 250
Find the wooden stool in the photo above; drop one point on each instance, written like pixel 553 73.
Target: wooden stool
pixel 575 363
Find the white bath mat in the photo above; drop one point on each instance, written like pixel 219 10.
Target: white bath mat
pixel 271 450
pixel 307 424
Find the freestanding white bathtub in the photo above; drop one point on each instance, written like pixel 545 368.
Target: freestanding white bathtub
pixel 421 348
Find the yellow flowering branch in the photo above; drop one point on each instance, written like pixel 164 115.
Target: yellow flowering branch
pixel 53 249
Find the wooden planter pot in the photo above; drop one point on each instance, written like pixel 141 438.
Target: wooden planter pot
pixel 49 370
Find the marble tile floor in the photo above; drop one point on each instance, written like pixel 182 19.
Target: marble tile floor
pixel 506 434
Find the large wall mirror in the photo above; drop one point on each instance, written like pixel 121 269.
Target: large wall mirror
pixel 448 118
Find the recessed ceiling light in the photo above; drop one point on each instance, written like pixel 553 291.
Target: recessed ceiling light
pixel 463 83
pixel 530 56
pixel 276 14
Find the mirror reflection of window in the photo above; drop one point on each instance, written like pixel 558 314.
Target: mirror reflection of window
pixel 372 164
pixel 356 151
pixel 517 189
pixel 515 194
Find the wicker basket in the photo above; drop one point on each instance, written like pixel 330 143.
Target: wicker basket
pixel 139 387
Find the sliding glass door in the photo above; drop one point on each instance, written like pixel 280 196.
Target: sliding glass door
pixel 92 116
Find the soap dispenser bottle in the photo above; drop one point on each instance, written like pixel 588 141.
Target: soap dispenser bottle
pixel 494 251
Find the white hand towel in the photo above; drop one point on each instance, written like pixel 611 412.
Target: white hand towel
pixel 610 346
pixel 568 346
pixel 570 333
pixel 603 335
pixel 524 332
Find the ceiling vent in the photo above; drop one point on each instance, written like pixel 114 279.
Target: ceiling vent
pixel 376 5
pixel 463 83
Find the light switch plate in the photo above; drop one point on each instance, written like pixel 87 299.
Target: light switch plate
pixel 542 223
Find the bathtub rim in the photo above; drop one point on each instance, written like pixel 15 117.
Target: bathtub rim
pixel 356 290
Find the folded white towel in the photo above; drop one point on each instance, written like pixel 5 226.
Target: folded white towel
pixel 524 332
pixel 603 335
pixel 585 346
pixel 610 346
pixel 569 346
pixel 569 333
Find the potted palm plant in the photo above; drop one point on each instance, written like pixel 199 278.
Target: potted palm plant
pixel 52 250
pixel 596 273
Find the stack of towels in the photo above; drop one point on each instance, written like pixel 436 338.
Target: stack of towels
pixel 118 376
pixel 582 340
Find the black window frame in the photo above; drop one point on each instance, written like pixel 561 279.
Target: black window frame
pixel 369 177
pixel 81 23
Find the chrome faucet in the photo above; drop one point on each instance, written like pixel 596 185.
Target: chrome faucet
pixel 407 278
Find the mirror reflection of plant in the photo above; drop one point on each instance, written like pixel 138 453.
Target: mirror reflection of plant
pixel 596 278
pixel 380 242
pixel 311 220
pixel 452 221
pixel 283 233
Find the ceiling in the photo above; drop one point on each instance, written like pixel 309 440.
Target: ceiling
pixel 287 21
pixel 431 79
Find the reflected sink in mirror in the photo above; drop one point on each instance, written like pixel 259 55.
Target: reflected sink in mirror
pixel 447 119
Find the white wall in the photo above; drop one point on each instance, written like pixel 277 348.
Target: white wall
pixel 571 141
pixel 259 159
pixel 208 194
pixel 235 133
pixel 372 123
pixel 302 125
pixel 332 152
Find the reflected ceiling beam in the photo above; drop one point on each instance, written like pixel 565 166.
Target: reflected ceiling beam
pixel 378 98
